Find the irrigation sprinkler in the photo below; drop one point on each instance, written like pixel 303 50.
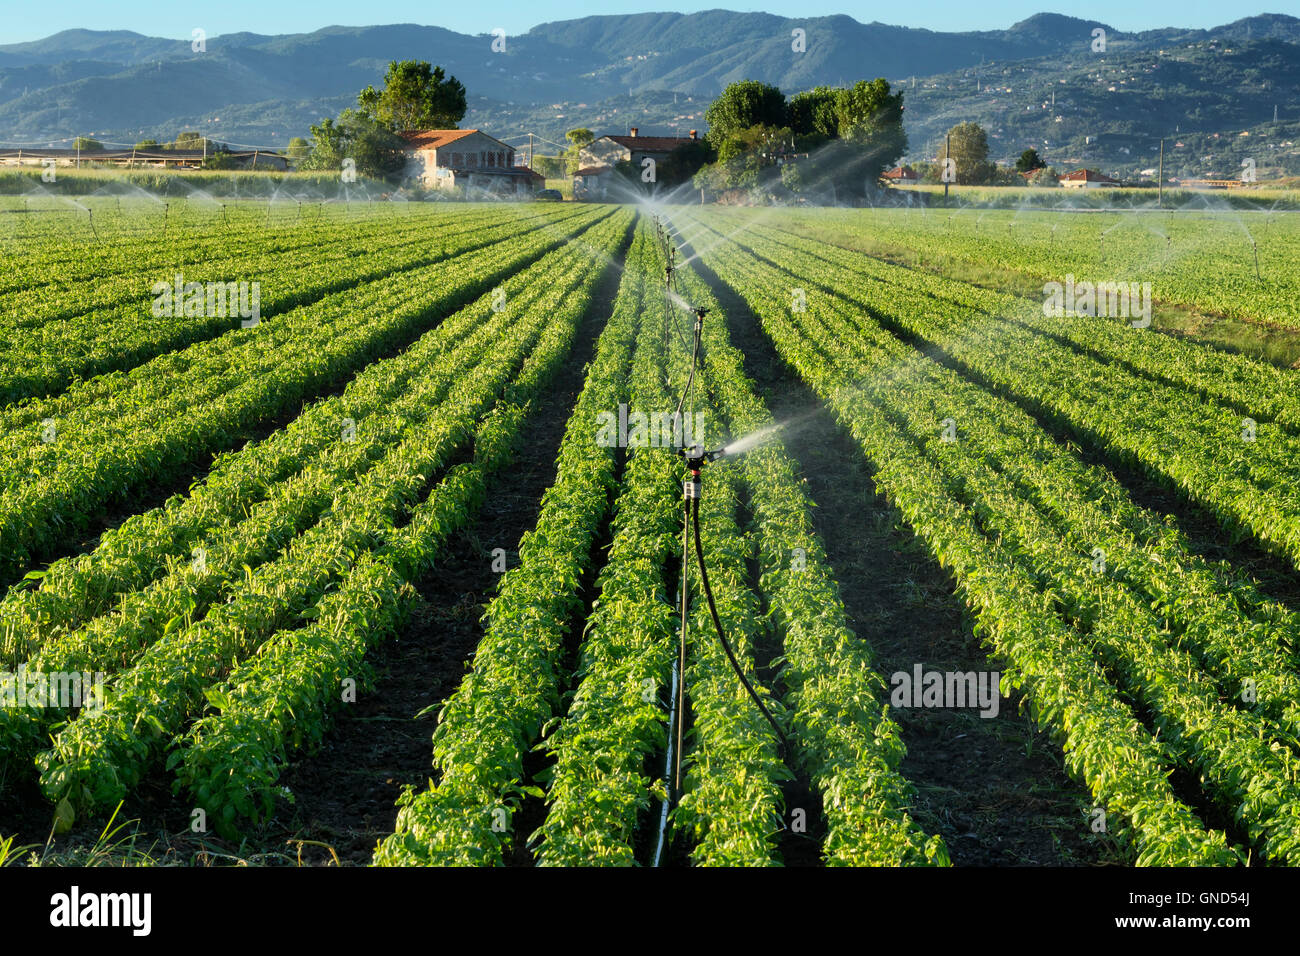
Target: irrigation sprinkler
pixel 1255 248
pixel 696 457
pixel 90 217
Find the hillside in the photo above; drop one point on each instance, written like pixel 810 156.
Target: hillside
pixel 659 71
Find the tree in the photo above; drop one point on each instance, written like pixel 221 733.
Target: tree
pixel 871 121
pixel 1029 161
pixel 87 145
pixel 147 144
pixel 684 162
pixel 970 152
pixel 299 149
pixel 813 113
pixel 552 167
pixel 852 134
pixel 578 139
pixel 415 96
pixel 374 149
pixel 743 105
pixel 188 140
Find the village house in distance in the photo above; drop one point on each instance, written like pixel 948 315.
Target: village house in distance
pixel 470 159
pixel 597 159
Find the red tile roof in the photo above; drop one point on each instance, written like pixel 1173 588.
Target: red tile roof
pixel 651 144
pixel 592 170
pixel 1088 176
pixel 901 172
pixel 435 138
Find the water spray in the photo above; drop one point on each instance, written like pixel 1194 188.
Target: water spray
pixel 696 457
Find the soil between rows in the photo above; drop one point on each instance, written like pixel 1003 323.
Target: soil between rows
pixel 344 795
pixel 995 789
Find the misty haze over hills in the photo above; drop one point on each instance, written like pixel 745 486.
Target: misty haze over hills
pixel 1040 82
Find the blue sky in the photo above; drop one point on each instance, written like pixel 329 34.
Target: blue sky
pixel 31 21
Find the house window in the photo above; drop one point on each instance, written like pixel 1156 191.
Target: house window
pixel 492 159
pixel 455 159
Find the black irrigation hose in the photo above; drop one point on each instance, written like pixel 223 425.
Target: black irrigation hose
pixel 717 624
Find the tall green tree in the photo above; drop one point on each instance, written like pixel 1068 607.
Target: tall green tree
pixel 578 138
pixel 741 106
pixel 969 146
pixel 871 125
pixel 1029 161
pixel 415 96
pixel 815 113
pixel 374 149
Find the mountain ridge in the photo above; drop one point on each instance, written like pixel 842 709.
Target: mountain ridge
pixel 261 89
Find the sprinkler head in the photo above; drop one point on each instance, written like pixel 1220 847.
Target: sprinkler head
pixel 696 456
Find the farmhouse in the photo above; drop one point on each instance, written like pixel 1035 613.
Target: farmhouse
pixel 598 158
pixel 902 176
pixel 1087 179
pixel 469 158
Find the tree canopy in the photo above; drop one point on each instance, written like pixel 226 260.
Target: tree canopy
pixel 578 138
pixel 374 149
pixel 969 146
pixel 831 139
pixel 741 106
pixel 1029 161
pixel 415 96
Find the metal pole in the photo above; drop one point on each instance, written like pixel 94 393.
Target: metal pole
pixel 947 146
pixel 1161 200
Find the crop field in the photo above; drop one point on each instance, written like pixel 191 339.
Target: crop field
pixel 355 533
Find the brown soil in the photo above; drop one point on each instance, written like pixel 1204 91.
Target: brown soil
pixel 344 794
pixel 994 789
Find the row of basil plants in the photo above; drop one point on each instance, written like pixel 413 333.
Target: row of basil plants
pixel 1105 743
pixel 515 684
pixel 281 699
pixel 250 533
pixel 601 784
pixel 604 782
pixel 74 590
pixel 102 344
pixel 849 746
pixel 52 495
pixel 101 755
